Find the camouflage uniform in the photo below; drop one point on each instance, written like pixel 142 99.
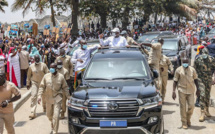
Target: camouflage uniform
pixel 203 68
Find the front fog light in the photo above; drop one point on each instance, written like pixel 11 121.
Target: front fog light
pixel 153 119
pixel 75 120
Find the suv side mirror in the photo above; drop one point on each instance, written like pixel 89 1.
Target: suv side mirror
pixel 155 74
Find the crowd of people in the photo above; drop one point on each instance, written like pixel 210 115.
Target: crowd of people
pixel 45 66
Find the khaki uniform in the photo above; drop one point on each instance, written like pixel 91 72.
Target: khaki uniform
pixel 130 40
pixel 154 60
pixel 24 64
pixel 7 114
pixel 34 77
pixel 53 86
pixel 67 64
pixel 186 89
pixel 166 64
pixel 65 73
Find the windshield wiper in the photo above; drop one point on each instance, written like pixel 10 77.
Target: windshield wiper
pixel 97 79
pixel 127 78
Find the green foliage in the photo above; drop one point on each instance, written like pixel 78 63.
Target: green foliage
pixel 119 8
pixel 38 6
pixel 3 3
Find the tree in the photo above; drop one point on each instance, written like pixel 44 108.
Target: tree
pixel 186 8
pixel 207 6
pixel 125 10
pixel 113 9
pixel 96 7
pixel 74 5
pixel 39 5
pixel 3 3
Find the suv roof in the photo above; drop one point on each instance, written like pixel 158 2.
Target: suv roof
pixel 169 37
pixel 158 32
pixel 132 52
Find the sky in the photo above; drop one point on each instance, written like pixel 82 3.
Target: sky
pixel 11 17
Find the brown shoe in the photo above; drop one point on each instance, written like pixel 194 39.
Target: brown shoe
pixel 188 123
pixel 184 127
pixel 207 113
pixel 62 116
pixel 32 116
pixel 202 117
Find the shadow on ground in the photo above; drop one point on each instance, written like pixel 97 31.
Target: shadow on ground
pixel 171 104
pixel 197 127
pixel 166 131
pixel 40 114
pixel 165 112
pixel 210 119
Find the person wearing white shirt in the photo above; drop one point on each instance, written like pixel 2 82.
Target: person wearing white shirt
pixel 114 41
pixel 81 56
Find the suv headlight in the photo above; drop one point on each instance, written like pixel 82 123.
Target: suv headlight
pixel 156 100
pixel 77 103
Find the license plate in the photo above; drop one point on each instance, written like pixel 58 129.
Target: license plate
pixel 117 124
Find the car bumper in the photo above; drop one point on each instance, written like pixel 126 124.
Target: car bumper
pixel 137 125
pixel 128 130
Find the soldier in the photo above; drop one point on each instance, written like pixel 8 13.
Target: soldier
pixel 35 74
pixel 7 90
pixel 67 64
pixel 53 85
pixel 203 50
pixel 203 65
pixel 65 73
pixel 165 65
pixel 129 40
pixel 154 57
pixel 185 80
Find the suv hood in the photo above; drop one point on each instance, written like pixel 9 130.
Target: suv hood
pixel 119 90
pixel 170 53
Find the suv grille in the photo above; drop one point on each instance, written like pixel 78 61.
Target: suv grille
pixel 124 108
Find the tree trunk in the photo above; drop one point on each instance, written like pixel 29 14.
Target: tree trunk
pixel 209 15
pixel 103 20
pixel 113 23
pixel 179 19
pixel 161 18
pixel 125 19
pixel 75 12
pixel 156 16
pixel 52 14
pixel 146 17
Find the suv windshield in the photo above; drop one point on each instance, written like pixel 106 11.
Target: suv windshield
pixel 169 44
pixel 117 69
pixel 147 37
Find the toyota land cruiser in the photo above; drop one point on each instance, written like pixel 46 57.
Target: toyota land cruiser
pixel 117 95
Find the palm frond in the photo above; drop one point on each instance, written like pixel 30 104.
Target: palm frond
pixel 3 3
pixel 27 7
pixel 2 10
pixel 18 4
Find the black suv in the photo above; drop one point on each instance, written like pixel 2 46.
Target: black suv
pixel 118 95
pixel 176 48
pixel 149 36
